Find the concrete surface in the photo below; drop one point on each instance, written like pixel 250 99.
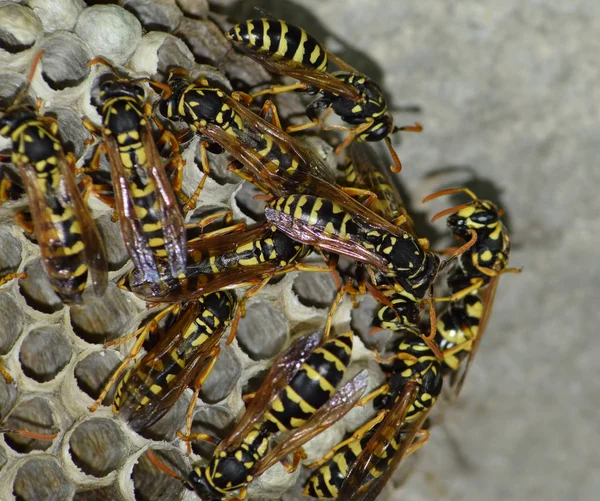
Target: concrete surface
pixel 509 93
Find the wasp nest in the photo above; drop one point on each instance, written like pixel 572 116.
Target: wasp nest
pixel 55 354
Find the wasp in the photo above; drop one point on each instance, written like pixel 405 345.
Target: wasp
pixel 322 223
pixel 288 50
pixel 364 172
pixel 473 279
pixel 284 167
pixel 226 261
pixel 298 396
pixel 151 221
pixel 355 467
pixel 185 353
pixel 66 233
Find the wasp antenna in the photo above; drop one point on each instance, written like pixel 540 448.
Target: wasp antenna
pixel 164 88
pixel 104 61
pixel 29 434
pixel 397 163
pixel 451 210
pixel 461 250
pixel 36 61
pixel 450 191
pixel 161 466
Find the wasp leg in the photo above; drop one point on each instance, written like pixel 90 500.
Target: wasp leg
pixel 197 385
pixel 315 122
pixel 240 311
pixel 7 377
pixel 191 203
pixel 141 334
pixel 198 436
pixel 334 306
pixel 298 456
pixel 357 435
pixel 280 89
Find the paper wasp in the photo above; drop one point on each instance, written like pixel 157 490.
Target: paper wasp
pixel 66 233
pixel 185 353
pixel 322 223
pixel 399 311
pixel 297 395
pixel 358 467
pixel 226 261
pixel 282 167
pixel 472 280
pixel 288 50
pixel 151 222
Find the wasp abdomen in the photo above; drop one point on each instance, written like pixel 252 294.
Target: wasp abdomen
pixel 279 39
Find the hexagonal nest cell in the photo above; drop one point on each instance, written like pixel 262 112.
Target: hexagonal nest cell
pixel 55 353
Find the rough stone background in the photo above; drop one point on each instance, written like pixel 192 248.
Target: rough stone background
pixel 509 95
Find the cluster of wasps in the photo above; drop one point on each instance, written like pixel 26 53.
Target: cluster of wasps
pixel 307 209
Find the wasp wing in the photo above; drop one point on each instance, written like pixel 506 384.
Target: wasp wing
pixel 95 254
pixel 374 177
pixel 315 177
pixel 354 487
pixel 300 231
pixel 157 407
pixel 169 213
pixel 50 234
pixel 281 373
pixel 487 298
pixel 131 227
pixel 310 76
pixel 330 413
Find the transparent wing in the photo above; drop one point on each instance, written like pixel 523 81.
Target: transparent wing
pixel 487 298
pixel 330 413
pixel 306 74
pixel 281 373
pixel 169 213
pixel 131 227
pixel 387 430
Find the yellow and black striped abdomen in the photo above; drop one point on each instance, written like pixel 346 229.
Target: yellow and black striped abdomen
pixel 317 213
pixel 232 470
pixel 314 384
pixel 326 482
pixel 456 327
pixel 124 122
pixel 403 316
pixel 156 377
pixel 416 362
pixel 280 40
pixel 57 228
